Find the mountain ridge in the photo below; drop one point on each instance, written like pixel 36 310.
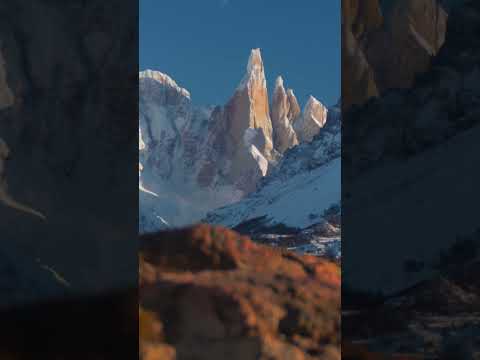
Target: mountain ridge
pixel 207 157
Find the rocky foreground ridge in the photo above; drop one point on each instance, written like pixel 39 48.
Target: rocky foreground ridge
pixel 213 294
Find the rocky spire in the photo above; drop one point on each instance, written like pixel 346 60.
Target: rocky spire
pixel 284 136
pixel 255 74
pixel 313 119
pixel 248 113
pixel 294 110
pixel 249 106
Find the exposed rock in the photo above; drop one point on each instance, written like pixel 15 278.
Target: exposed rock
pixel 308 175
pixel 414 33
pixel 358 78
pixel 385 52
pixel 199 158
pixel 312 120
pixel 210 293
pixel 443 102
pixel 284 112
pixel 294 108
pixel 249 109
pixel 251 98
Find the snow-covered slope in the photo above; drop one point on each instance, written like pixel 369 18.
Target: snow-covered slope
pixel 299 191
pixel 298 202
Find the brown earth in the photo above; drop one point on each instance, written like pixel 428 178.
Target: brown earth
pixel 209 293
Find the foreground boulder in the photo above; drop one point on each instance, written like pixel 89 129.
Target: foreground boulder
pixel 209 293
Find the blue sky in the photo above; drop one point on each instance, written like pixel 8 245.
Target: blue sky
pixel 204 44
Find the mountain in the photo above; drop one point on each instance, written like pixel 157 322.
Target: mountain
pixel 194 159
pixel 300 197
pixel 285 110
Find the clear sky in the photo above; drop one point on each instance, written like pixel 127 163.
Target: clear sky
pixel 204 44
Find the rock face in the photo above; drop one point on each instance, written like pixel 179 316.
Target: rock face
pixel 312 120
pixel 249 107
pixel 184 158
pixel 249 127
pixel 210 293
pixel 309 176
pixel 294 109
pixel 410 142
pixel 196 158
pixel 284 111
pixel 358 78
pixel 387 48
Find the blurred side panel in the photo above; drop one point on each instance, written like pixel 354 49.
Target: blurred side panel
pixel 411 105
pixel 68 169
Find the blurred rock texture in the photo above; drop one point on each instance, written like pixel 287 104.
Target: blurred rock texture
pixel 209 293
pixel 387 47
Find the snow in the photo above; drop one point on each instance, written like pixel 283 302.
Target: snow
pixel 290 201
pixel 260 159
pixel 163 79
pixel 297 191
pixel 175 146
pixel 279 84
pixel 141 188
pixel 330 247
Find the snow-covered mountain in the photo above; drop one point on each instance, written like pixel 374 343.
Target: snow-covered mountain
pixel 300 196
pixel 194 159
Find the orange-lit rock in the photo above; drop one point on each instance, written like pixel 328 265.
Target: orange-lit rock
pixel 218 295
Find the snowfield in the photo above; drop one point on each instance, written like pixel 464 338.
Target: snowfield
pixel 296 202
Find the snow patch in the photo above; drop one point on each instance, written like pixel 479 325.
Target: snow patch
pixel 259 159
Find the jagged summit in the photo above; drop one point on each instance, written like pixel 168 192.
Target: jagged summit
pixel 312 101
pixel 163 79
pixel 313 119
pixel 315 108
pixel 255 71
pixel 279 83
pixel 284 136
pixel 255 60
pixel 215 155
